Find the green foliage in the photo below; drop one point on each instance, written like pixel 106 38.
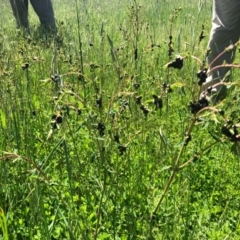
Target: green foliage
pixel 3 225
pixel 97 137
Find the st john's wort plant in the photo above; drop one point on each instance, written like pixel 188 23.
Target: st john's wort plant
pixel 202 106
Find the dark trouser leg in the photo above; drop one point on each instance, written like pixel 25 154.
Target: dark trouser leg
pixel 45 13
pixel 225 31
pixel 20 12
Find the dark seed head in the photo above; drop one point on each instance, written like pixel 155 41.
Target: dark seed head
pixel 59 119
pixel 195 158
pixel 164 86
pixel 144 109
pixel 204 102
pixel 116 138
pixel 169 89
pixel 138 99
pixel 209 89
pixel 99 102
pixel 79 111
pixel 25 66
pixel 235 131
pixel 54 116
pixel 122 149
pixel 229 122
pixel 157 102
pixel 55 78
pixel 136 85
pixel 101 128
pixel 54 125
pixel 221 112
pixel 188 138
pixel 226 131
pixel 202 76
pixel 177 63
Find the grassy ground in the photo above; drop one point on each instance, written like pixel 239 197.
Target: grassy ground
pixel 94 147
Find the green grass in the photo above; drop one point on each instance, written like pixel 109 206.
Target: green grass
pixel 82 157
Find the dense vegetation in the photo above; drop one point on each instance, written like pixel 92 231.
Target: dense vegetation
pixel 99 136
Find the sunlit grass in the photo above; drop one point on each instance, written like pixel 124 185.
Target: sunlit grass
pixel 86 147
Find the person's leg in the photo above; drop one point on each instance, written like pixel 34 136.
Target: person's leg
pixel 225 31
pixel 44 10
pixel 20 12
